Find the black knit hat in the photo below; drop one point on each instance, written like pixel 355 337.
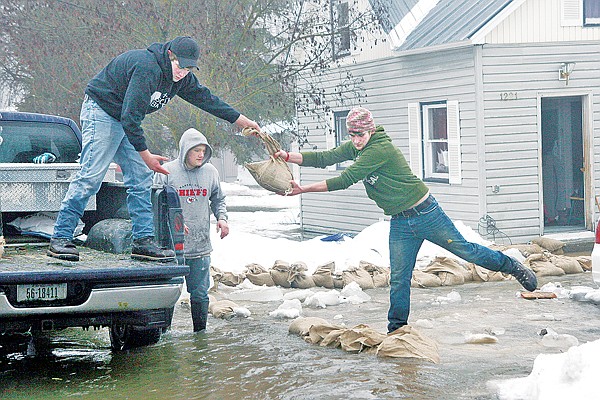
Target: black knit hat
pixel 186 50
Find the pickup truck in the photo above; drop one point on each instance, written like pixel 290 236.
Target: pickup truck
pixel 106 288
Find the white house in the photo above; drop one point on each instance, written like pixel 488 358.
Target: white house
pixel 495 103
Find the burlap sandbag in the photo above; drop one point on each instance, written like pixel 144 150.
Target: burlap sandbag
pixel 361 338
pixel 280 272
pixel 299 278
pixel 407 342
pixel 448 270
pixel 424 279
pixel 324 334
pixel 568 264
pixel 525 249
pixel 481 274
pixel 358 275
pixel 273 174
pixel 552 245
pixel 301 325
pixel 585 262
pixel 221 308
pixel 226 278
pixel 258 275
pixel 545 268
pixel 323 275
pixel 380 275
pixel 338 280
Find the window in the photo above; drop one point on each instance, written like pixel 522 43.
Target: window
pixel 340 26
pixel 591 12
pixel 580 12
pixel 21 141
pixel 341 133
pixel 434 141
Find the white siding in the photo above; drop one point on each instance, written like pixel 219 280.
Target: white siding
pixel 511 126
pixel 539 21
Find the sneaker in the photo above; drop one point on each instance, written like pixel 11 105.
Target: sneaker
pixel 146 249
pixel 524 275
pixel 63 249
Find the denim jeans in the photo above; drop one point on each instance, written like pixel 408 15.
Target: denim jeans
pixel 104 140
pixel 406 236
pixel 198 281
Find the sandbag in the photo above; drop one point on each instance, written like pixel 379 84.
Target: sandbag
pixel 226 278
pixel 258 275
pixel 299 278
pixel 407 342
pixel 552 245
pixel 545 268
pixel 301 325
pixel 448 270
pixel 585 262
pixel 323 275
pixel 380 275
pixel 424 279
pixel 221 308
pixel 361 338
pixel 568 264
pixel 358 275
pixel 280 272
pixel 273 174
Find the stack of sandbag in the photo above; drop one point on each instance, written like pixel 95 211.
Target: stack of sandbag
pixel 405 342
pixel 273 174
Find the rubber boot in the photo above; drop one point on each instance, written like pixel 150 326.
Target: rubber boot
pixel 199 315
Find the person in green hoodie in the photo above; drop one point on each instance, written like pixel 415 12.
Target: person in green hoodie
pixel 415 214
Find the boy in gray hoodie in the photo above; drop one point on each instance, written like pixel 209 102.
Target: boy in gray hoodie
pixel 199 187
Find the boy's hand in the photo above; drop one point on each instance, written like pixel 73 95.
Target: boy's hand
pixel 223 227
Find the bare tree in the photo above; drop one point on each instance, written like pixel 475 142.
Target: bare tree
pixel 254 55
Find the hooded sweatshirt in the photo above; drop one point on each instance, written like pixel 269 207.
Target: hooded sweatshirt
pixel 139 82
pixel 199 191
pixel 383 169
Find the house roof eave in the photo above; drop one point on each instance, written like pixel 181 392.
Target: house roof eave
pixel 479 34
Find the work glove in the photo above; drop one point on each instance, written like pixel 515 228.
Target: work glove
pixel 45 158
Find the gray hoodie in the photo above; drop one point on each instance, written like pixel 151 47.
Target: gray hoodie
pixel 199 192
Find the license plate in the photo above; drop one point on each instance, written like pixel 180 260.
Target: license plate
pixel 47 292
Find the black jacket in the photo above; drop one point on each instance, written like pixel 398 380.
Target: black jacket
pixel 139 82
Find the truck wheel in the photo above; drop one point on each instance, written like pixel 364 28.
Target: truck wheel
pixel 125 337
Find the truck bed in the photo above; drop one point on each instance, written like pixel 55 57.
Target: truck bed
pixel 30 264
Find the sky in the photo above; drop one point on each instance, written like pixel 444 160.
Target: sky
pixel 569 375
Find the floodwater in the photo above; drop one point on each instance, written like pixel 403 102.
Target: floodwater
pixel 256 358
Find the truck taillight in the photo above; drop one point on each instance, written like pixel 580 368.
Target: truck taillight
pixel 598 232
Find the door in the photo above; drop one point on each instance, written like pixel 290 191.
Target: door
pixel 563 162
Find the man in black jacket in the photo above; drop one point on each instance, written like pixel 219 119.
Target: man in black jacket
pixel 133 84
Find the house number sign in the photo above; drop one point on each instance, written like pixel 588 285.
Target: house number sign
pixel 504 96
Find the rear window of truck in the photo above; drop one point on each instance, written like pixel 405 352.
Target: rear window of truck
pixel 21 141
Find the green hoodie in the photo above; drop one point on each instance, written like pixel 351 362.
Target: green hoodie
pixel 380 165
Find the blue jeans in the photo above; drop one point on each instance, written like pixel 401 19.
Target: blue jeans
pixel 406 236
pixel 104 140
pixel 198 281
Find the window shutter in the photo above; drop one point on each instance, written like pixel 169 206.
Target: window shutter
pixel 571 12
pixel 330 137
pixel 415 150
pixel 454 162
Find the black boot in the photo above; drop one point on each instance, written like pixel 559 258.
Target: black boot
pixel 199 315
pixel 146 249
pixel 63 249
pixel 524 275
